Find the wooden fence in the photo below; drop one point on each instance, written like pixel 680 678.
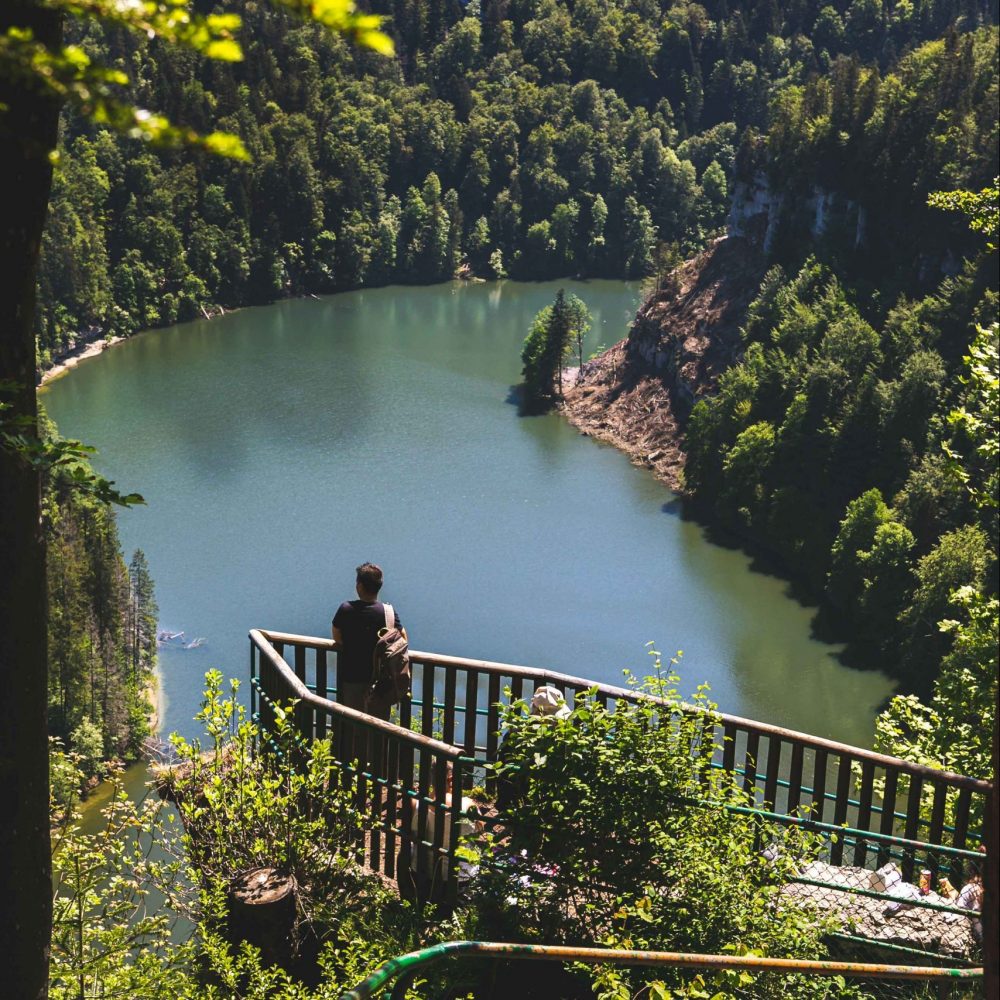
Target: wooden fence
pixel 880 806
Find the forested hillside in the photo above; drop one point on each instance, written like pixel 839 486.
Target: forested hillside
pixel 848 441
pixel 530 138
pixel 102 633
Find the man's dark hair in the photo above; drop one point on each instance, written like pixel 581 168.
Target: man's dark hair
pixel 370 577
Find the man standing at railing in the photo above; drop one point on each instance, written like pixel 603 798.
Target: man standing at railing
pixel 355 630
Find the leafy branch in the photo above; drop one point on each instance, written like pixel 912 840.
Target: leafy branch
pixel 68 75
pixel 51 451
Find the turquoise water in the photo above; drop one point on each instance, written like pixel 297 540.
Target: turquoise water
pixel 280 446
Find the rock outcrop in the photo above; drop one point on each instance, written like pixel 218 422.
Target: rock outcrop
pixel 638 394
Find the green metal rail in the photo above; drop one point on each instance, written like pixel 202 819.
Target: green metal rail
pixel 391 980
pixel 869 808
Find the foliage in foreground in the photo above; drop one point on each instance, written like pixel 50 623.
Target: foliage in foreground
pixel 141 906
pixel 615 854
pixel 620 837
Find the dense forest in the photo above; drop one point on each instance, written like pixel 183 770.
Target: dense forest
pixel 543 139
pixel 539 139
pixel 534 139
pixel 832 444
pixel 102 635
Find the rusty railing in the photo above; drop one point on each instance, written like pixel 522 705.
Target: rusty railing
pixel 398 974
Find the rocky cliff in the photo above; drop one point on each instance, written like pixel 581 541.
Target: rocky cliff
pixel 638 394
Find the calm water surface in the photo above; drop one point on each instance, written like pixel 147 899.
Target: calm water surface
pixel 279 447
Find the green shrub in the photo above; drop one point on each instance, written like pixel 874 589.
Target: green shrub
pixel 622 835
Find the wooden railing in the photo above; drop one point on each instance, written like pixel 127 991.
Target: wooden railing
pixel 399 778
pixel 880 806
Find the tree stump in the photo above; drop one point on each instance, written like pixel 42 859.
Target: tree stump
pixel 262 913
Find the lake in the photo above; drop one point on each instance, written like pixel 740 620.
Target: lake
pixel 278 447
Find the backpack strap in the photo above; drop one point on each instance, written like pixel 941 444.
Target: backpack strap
pixel 390 616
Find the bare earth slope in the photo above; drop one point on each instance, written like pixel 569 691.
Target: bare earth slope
pixel 638 394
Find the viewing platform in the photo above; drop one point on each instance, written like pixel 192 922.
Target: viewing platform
pixel 869 809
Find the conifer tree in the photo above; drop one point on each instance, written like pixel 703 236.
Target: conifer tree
pixel 143 614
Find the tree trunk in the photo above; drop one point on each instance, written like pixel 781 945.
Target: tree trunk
pixel 262 912
pixel 991 877
pixel 28 130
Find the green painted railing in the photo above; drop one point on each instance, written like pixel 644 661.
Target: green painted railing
pixel 392 979
pixel 870 807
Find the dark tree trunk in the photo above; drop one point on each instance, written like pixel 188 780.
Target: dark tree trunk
pixel 262 912
pixel 28 131
pixel 991 877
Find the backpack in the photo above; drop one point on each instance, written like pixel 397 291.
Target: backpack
pixel 390 667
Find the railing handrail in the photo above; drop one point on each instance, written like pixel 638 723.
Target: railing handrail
pixel 612 691
pixel 403 967
pixel 261 639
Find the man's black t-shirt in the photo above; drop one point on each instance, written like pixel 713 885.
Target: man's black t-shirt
pixel 359 623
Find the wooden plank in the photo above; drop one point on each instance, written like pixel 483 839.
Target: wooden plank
pixel 450 686
pixel 304 715
pixel 356 738
pixel 934 861
pixel 819 786
pixel 771 778
pixel 300 663
pixel 462 774
pixel 471 704
pixel 750 765
pixel 422 788
pixel 493 718
pixel 516 688
pixel 911 824
pixel 887 824
pixel 405 775
pixel 253 675
pixel 391 805
pixel 706 751
pixel 376 758
pixel 962 809
pixel 322 681
pixel 266 670
pixel 864 811
pixel 440 812
pixel 427 699
pixel 322 723
pixel 795 778
pixel 729 749
pixel 406 711
pixel 840 805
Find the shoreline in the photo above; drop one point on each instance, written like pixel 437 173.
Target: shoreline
pixel 67 362
pixel 153 691
pixel 91 347
pixel 602 405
